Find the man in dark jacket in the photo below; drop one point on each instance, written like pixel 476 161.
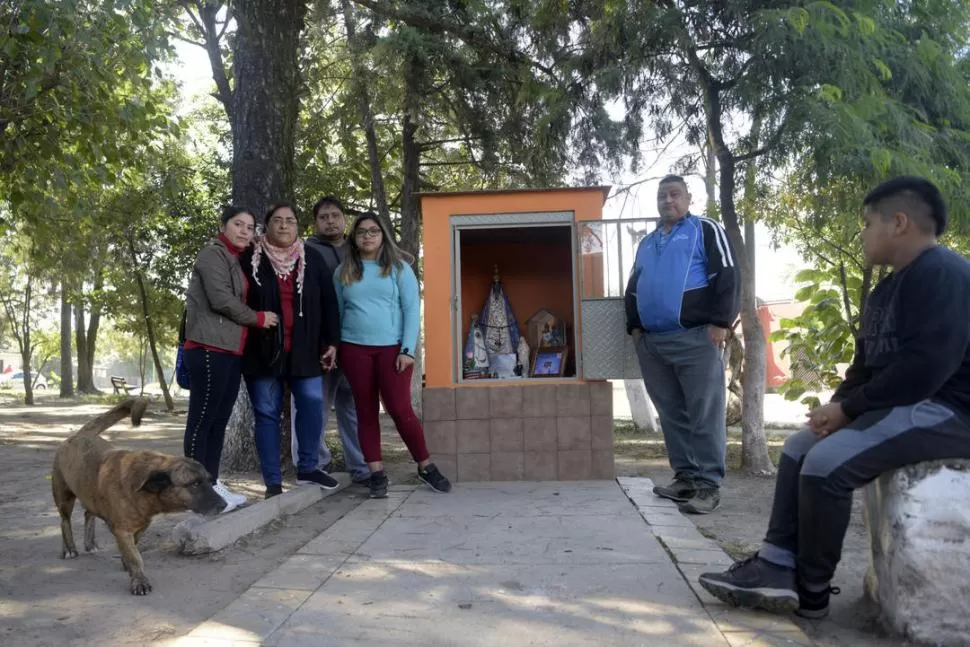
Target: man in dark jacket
pixel 681 301
pixel 294 284
pixel 905 399
pixel 329 240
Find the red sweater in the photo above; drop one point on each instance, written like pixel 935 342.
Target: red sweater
pixel 287 292
pixel 189 344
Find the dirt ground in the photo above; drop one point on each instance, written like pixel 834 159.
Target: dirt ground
pixel 48 601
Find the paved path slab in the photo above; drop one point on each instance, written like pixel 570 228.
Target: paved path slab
pixel 491 564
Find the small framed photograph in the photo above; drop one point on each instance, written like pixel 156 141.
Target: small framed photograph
pixel 549 361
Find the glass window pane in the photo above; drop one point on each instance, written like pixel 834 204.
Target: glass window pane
pixel 608 250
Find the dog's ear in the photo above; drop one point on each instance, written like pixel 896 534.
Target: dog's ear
pixel 157 481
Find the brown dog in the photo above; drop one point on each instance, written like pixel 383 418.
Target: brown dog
pixel 124 488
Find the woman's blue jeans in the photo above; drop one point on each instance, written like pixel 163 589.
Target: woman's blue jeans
pixel 266 394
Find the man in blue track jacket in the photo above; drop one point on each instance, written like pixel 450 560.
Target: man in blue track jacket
pixel 681 301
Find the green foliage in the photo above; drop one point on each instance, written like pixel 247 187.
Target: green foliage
pixel 164 209
pixel 500 95
pixel 76 93
pixel 822 336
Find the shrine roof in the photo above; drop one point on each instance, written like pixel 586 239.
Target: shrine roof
pixel 604 189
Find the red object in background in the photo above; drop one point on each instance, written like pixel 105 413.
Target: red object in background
pixel 8 369
pixel 774 376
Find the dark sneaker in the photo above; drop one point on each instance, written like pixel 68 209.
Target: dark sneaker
pixel 378 485
pixel 273 490
pixel 754 583
pixel 434 479
pixel 318 477
pixel 705 501
pixel 679 490
pixel 815 605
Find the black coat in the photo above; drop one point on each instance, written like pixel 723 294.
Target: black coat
pixel 318 328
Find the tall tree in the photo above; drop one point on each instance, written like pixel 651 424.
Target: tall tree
pixel 261 98
pixel 21 297
pixel 724 66
pixel 919 124
pixel 258 83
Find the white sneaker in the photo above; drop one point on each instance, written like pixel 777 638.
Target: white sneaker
pixel 232 499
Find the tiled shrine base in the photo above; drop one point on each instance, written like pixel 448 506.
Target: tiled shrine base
pixel 521 432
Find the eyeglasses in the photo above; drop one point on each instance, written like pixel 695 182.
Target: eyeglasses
pixel 369 233
pixel 289 222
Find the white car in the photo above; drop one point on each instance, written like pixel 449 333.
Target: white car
pixel 16 380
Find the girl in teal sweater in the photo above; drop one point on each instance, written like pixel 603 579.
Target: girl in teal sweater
pixel 377 292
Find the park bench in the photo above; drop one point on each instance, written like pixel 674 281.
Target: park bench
pixel 119 384
pixel 918 520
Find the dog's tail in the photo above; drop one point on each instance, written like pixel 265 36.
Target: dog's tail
pixel 134 406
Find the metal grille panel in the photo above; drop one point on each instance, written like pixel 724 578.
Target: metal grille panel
pixel 512 219
pixel 608 352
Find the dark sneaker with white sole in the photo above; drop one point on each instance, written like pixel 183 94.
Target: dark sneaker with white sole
pixel 378 485
pixel 814 605
pixel 705 501
pixel 434 479
pixel 754 583
pixel 318 477
pixel 679 490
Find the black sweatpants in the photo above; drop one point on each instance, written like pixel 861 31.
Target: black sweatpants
pixel 213 387
pixel 816 477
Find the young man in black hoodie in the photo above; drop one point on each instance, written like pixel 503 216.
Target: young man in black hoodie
pixel 328 241
pixel 905 399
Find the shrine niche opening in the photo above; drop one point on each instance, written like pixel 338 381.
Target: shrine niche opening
pixel 531 269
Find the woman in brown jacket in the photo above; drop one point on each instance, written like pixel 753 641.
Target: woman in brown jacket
pixel 216 322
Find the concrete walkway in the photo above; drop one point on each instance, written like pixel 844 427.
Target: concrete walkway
pixel 577 563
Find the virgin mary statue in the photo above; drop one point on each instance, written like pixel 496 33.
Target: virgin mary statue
pixel 501 329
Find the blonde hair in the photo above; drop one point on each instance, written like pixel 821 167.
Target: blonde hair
pixel 390 257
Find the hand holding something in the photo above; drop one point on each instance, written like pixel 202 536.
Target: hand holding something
pixel 270 319
pixel 403 362
pixel 718 335
pixel 827 419
pixel 329 358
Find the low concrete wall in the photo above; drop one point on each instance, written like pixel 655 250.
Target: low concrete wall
pixel 198 535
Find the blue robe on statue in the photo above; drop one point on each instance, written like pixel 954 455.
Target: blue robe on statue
pixel 499 322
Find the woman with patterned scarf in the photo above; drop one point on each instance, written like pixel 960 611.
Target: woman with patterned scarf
pixel 296 286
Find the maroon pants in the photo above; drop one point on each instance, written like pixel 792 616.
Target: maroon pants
pixel 372 376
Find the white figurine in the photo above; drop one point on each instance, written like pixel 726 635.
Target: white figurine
pixel 523 352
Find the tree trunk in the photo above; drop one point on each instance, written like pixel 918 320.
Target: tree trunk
pixel 28 382
pixel 411 164
pixel 150 331
pixel 26 350
pixel 142 364
pixel 85 372
pixel 417 377
pixel 710 178
pixel 734 360
pixel 94 325
pixel 750 244
pixel 239 448
pixel 67 362
pixel 263 117
pixel 410 208
pixel 641 407
pixel 359 84
pixel 265 101
pixel 754 445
